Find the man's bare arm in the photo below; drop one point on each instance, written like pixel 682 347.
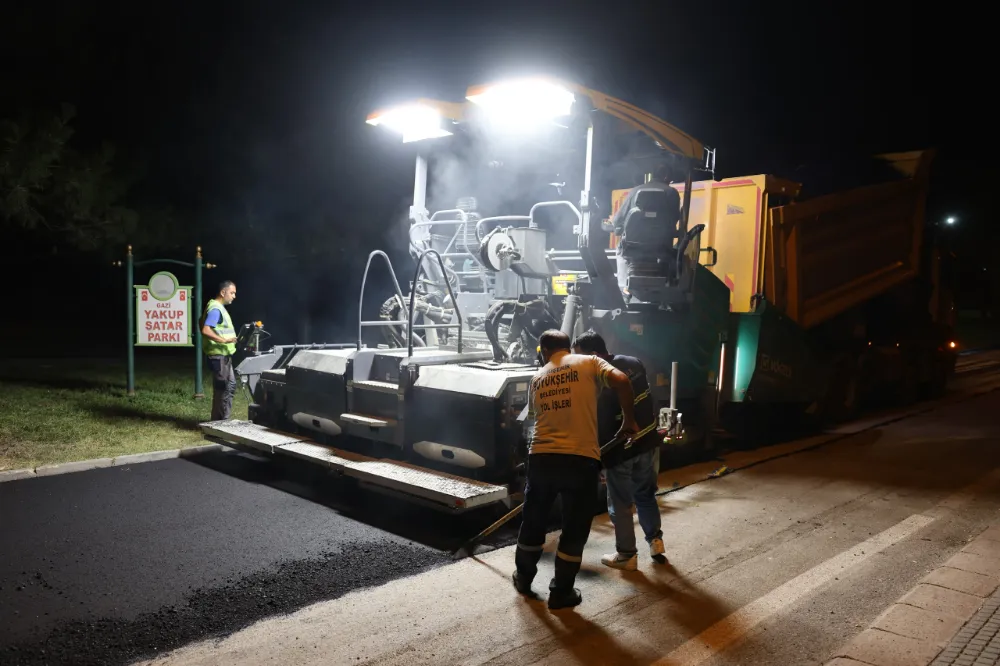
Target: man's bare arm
pixel 619 381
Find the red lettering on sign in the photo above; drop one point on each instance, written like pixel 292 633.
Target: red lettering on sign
pixel 183 295
pixel 145 296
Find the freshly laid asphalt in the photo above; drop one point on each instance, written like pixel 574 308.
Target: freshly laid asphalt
pixel 105 566
pixel 116 564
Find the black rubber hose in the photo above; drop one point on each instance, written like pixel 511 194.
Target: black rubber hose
pixel 493 317
pixel 393 334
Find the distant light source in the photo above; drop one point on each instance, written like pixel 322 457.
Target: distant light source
pixel 950 220
pixel 415 122
pixel 952 344
pixel 523 103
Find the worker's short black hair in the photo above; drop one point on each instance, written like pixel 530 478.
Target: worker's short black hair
pixel 591 342
pixel 553 340
pixel 225 284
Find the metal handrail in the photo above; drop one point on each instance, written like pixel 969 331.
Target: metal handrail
pixel 498 218
pixel 461 223
pixel 451 211
pixel 399 295
pixel 451 295
pixel 550 204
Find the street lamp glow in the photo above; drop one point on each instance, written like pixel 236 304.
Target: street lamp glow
pixel 415 122
pixel 523 102
pixel 950 220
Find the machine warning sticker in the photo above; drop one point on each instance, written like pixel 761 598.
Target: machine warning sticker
pixel 733 210
pixel 560 282
pixel 521 387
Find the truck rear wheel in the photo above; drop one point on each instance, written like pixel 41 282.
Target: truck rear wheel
pixel 937 385
pixel 840 403
pixel 908 389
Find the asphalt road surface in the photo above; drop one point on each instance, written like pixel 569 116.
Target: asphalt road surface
pixel 781 562
pixel 116 564
pixel 107 565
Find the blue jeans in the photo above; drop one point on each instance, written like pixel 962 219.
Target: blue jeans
pixel 633 481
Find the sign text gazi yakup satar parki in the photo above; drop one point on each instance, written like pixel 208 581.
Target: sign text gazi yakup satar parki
pixel 163 313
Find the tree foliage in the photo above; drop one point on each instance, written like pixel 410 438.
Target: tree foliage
pixel 52 191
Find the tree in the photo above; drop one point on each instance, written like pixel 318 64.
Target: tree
pixel 54 192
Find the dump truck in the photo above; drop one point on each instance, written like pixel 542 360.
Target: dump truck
pixel 834 301
pixel 751 308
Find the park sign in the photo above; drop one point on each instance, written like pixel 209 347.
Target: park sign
pixel 162 294
pixel 163 312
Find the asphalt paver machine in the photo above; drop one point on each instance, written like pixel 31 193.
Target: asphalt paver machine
pixel 748 310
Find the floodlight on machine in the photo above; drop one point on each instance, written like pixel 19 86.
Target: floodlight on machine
pixel 415 122
pixel 523 102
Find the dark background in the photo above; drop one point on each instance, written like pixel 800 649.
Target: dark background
pixel 239 127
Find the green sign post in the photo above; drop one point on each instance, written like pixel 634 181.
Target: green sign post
pixel 163 313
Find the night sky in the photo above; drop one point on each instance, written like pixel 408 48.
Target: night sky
pixel 256 109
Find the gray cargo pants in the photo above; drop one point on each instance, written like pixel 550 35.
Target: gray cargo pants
pixel 223 386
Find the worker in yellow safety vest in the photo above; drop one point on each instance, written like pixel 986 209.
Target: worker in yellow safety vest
pixel 219 344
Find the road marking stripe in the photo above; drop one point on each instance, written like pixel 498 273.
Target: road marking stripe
pixel 732 628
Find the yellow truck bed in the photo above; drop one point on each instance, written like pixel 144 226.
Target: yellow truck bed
pixel 818 257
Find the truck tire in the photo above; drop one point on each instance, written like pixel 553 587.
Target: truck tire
pixel 908 389
pixel 937 385
pixel 840 402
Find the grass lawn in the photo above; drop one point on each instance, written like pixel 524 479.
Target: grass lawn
pixel 62 410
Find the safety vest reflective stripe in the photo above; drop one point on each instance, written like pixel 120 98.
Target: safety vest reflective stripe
pixel 639 435
pixel 639 398
pixel 644 431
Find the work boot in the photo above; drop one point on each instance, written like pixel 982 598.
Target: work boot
pixel 656 550
pixel 564 598
pixel 619 561
pixel 523 586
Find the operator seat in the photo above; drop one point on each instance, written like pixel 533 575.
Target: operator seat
pixel 646 250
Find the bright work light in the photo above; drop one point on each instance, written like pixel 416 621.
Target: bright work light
pixel 523 102
pixel 415 122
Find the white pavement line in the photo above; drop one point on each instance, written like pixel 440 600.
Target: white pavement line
pixel 734 627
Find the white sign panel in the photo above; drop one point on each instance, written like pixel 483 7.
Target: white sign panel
pixel 163 313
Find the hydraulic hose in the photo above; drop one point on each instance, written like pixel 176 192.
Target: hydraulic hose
pixel 492 323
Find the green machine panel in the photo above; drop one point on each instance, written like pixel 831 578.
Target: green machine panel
pixel 771 362
pixel 690 335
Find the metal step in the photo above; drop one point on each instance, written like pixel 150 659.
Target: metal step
pixel 374 400
pixel 374 385
pixel 369 421
pixel 249 435
pixel 438 488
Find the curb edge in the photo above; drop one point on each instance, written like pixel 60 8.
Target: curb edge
pixel 99 463
pixel 154 456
